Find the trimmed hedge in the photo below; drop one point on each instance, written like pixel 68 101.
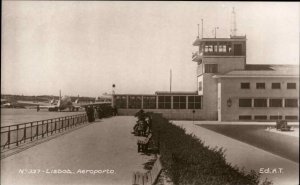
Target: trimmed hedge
pixel 188 161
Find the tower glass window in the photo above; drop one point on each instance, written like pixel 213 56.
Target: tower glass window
pixel 238 49
pixel 211 68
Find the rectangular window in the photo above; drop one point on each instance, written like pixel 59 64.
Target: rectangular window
pixel 164 102
pixel 238 51
pixel 275 117
pixel 215 48
pixel 245 85
pixel 149 102
pixel 135 102
pixel 179 102
pixel 121 102
pixel 211 68
pixel 260 117
pixel 200 86
pixel 222 48
pixel 291 85
pixel 292 118
pixel 260 85
pixel 245 117
pixel 275 85
pixel 206 49
pixel 194 102
pixel 291 103
pixel 275 103
pixel 260 102
pixel 244 102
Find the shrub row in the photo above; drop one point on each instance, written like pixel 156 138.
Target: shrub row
pixel 188 161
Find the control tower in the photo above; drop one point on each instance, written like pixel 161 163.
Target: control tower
pixel 216 56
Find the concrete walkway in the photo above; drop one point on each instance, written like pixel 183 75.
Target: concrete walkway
pixel 245 155
pixel 106 144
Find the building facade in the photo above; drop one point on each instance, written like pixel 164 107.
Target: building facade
pixel 228 88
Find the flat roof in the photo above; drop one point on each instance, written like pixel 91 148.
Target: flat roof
pixel 257 70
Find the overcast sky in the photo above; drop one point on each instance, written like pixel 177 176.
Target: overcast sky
pixel 84 47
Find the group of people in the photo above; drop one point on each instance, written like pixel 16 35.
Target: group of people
pixel 94 112
pixel 143 125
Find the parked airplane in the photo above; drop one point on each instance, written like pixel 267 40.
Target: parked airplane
pixel 63 103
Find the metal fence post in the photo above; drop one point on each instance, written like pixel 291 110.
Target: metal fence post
pixel 31 131
pixel 47 130
pixel 42 129
pixel 37 130
pixel 17 135
pixel 8 139
pixel 24 132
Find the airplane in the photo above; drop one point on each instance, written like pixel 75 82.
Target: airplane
pixel 63 103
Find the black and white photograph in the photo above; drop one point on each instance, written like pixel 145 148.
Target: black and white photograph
pixel 149 93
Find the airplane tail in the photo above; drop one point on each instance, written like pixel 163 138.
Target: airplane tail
pixel 52 101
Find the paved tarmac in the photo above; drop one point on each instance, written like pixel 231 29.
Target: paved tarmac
pixel 106 144
pixel 244 155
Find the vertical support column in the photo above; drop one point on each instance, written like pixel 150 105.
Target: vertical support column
pixel 47 129
pixel 31 124
pixel 37 130
pixel 24 132
pixel 142 104
pixel 283 102
pixel 17 135
pixel 156 102
pixel 252 102
pixel 186 102
pixel 42 128
pixel 8 137
pixel 127 101
pixel 268 102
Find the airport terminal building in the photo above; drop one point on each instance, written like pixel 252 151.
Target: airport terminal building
pixel 228 88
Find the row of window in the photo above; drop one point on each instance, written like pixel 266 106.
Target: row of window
pixel 273 102
pixel 271 117
pixel 164 102
pixel 217 48
pixel 277 85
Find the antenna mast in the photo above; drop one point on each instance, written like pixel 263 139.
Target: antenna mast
pixel 233 26
pixel 202 28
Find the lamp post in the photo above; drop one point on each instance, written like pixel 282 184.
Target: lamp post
pixel 113 95
pixel 193 115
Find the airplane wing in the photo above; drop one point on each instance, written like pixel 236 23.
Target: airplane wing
pixel 95 104
pixel 47 106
